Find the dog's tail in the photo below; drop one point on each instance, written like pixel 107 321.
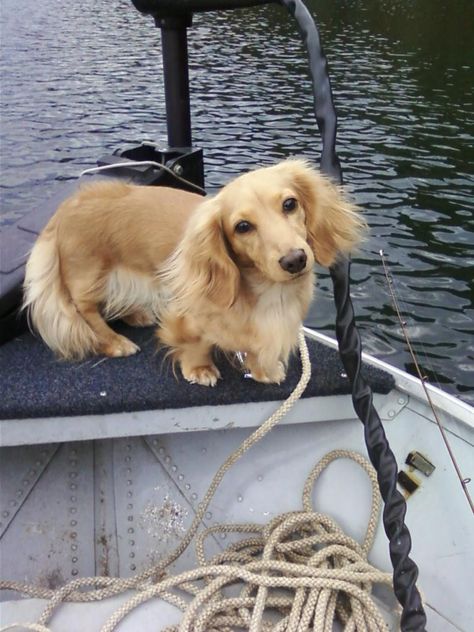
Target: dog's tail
pixel 51 311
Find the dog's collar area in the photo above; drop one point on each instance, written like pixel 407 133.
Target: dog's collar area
pixel 240 360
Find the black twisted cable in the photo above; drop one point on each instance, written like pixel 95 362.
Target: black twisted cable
pixel 405 571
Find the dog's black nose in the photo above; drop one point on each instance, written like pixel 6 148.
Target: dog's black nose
pixel 294 261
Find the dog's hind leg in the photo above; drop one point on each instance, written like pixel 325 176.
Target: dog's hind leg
pixel 110 343
pixel 87 294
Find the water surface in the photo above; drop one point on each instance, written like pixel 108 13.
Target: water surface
pixel 81 79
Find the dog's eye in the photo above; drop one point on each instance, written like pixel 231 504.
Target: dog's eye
pixel 290 204
pixel 243 227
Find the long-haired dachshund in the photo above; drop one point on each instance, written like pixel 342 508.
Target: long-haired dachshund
pixel 233 271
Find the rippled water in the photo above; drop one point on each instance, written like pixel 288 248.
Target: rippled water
pixel 80 79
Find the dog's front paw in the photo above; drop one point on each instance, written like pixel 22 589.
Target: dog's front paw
pixel 205 375
pixel 274 376
pixel 119 347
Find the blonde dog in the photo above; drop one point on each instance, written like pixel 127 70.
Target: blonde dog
pixel 233 271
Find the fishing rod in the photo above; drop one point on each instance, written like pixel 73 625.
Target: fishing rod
pixel 423 379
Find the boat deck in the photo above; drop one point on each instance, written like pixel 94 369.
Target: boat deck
pixel 113 504
pixel 35 388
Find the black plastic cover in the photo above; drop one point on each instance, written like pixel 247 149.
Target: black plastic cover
pixel 176 8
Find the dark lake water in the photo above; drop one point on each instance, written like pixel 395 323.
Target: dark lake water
pixel 81 79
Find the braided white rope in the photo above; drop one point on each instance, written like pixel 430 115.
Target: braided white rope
pixel 302 551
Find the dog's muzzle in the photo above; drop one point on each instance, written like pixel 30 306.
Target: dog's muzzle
pixel 294 261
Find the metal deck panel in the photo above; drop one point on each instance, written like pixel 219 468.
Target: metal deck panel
pixel 172 472
pixel 16 432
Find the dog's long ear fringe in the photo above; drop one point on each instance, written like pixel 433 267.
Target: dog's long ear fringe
pixel 335 226
pixel 201 266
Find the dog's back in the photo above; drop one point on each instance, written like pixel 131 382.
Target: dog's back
pixel 105 231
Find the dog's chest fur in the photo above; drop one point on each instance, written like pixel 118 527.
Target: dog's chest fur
pixel 271 323
pixel 280 310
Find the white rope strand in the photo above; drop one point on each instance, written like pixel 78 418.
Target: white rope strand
pixel 142 163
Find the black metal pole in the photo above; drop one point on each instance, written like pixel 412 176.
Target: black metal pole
pixel 174 43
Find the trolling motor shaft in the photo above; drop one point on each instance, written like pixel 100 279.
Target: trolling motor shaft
pixel 173 19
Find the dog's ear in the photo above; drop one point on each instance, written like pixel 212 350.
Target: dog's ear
pixel 334 225
pixel 203 265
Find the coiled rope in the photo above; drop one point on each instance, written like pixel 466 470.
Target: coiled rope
pixel 300 567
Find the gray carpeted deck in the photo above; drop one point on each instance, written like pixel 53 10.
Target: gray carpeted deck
pixel 34 384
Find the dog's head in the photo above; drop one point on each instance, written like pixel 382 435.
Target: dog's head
pixel 275 220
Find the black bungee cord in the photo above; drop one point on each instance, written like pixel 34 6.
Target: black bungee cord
pixel 405 571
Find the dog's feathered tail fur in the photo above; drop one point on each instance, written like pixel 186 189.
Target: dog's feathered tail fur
pixel 50 309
